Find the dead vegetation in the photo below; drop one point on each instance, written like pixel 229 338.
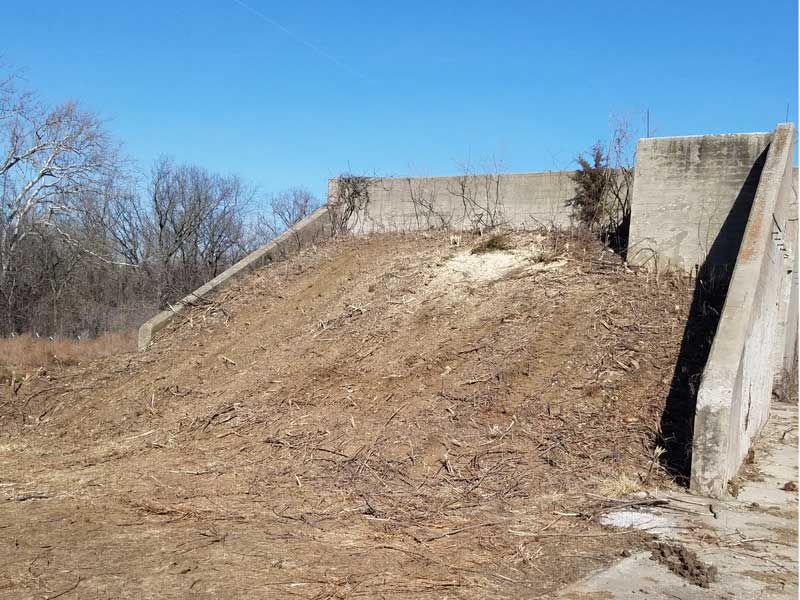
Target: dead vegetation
pixel 342 424
pixel 495 241
pixel 28 352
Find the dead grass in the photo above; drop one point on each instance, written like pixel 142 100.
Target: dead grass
pixel 29 352
pixel 786 390
pixel 619 485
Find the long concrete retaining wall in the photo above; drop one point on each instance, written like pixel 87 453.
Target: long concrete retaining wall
pixel 692 197
pixel 736 389
pixel 463 202
pixel 316 225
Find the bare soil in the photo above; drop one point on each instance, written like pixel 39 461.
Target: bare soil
pixel 684 563
pixel 375 417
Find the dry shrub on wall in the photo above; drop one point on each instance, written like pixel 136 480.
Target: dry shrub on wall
pixel 481 197
pixel 350 199
pixel 427 213
pixel 786 388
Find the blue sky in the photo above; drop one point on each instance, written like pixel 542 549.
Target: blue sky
pixel 291 93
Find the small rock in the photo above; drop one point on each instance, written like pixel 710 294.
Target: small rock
pixel 790 486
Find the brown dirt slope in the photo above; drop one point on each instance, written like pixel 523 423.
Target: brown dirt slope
pixel 387 416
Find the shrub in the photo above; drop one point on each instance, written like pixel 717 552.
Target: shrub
pixel 497 241
pixel 603 189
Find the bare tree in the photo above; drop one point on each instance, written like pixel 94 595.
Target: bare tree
pixel 286 209
pixel 48 159
pixel 192 226
pixel 292 206
pixel 85 247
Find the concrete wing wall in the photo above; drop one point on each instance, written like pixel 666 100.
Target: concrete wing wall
pixel 692 196
pixel 736 388
pixel 306 231
pixel 785 353
pixel 414 203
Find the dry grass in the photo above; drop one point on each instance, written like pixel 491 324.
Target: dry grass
pixel 27 351
pixel 619 486
pixel 786 390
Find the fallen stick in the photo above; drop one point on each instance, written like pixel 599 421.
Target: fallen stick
pixel 30 496
pixel 66 591
pixel 461 530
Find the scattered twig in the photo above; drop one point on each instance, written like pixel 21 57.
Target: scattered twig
pixel 460 530
pixel 66 591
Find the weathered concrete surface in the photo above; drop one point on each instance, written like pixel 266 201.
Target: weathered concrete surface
pixel 306 231
pixel 734 396
pixel 751 540
pixel 785 352
pixel 788 355
pixel 692 196
pixel 412 203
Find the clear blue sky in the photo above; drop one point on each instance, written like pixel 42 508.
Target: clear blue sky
pixel 291 93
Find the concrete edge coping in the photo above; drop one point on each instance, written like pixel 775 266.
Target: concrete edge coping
pixel 702 135
pixel 710 472
pixel 559 172
pixel 253 260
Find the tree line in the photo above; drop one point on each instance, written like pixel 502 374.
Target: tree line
pixel 88 244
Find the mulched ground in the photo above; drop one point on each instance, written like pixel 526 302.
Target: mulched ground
pixel 389 416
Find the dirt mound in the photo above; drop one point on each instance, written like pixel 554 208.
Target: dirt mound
pixel 684 563
pixel 353 421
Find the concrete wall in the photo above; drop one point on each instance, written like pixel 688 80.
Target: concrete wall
pixel 412 203
pixel 692 196
pixel 736 388
pixel 313 227
pixel 787 357
pixel 785 352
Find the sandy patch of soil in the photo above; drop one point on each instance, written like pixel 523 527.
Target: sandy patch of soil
pixel 469 268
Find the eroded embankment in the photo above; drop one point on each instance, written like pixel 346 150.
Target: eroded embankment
pixel 388 416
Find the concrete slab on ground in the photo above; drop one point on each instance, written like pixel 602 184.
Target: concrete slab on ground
pixel 751 540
